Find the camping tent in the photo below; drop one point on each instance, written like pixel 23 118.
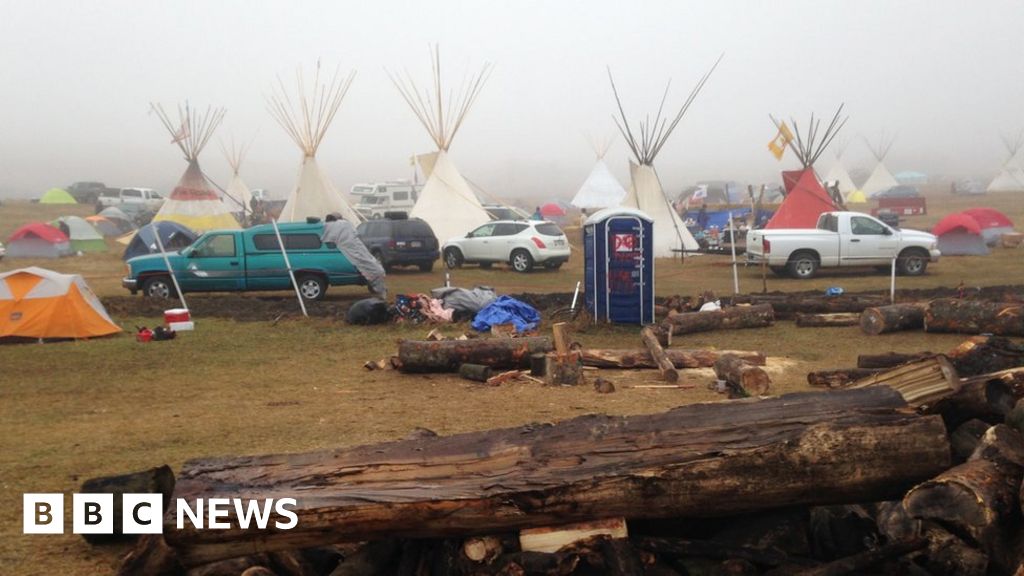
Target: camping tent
pixel 552 210
pixel 109 226
pixel 805 198
pixel 601 189
pixel 38 240
pixel 83 237
pixel 959 235
pixel 1011 176
pixel 174 236
pixel 446 202
pixel 881 178
pixel 39 303
pixel 118 216
pixel 645 191
pixel 306 123
pixel 993 223
pixel 856 197
pixel 193 202
pixel 57 196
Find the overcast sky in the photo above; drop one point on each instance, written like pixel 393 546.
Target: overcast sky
pixel 76 80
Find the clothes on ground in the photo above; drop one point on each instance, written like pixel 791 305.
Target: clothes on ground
pixel 507 310
pixel 465 302
pixel 343 234
pixel 368 311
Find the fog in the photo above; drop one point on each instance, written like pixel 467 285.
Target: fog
pixel 76 80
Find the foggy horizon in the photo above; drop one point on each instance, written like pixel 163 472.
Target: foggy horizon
pixel 79 79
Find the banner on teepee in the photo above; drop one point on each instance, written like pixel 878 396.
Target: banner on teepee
pixel 781 141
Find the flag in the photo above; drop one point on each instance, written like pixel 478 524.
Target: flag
pixel 781 140
pixel 182 132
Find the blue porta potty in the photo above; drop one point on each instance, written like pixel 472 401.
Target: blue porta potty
pixel 618 252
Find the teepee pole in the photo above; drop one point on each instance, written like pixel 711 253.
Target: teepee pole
pixel 167 262
pixel 288 265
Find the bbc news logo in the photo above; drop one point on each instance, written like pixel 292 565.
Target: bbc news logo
pixel 143 513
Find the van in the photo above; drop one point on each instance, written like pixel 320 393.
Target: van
pixel 376 199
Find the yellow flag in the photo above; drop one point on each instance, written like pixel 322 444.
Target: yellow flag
pixel 781 140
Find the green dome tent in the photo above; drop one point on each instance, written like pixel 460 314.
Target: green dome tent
pixel 83 237
pixel 57 196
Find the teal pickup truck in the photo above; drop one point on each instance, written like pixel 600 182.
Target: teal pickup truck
pixel 241 260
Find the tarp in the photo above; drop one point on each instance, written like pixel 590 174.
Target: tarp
pixel 344 236
pixel 465 300
pixel 174 236
pixel 507 310
pixel 804 203
pixel 57 196
pixel 39 303
pixel 38 240
pixel 601 189
pixel 717 218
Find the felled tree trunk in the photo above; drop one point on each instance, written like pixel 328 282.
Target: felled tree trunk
pixel 758 316
pixel 985 354
pixel 892 318
pixel 665 364
pixel 890 360
pixel 988 399
pixel 921 383
pixel 743 378
pixel 706 459
pixel 681 358
pixel 787 306
pixel 839 378
pixel 153 481
pixel 827 320
pixel 447 355
pixel 974 317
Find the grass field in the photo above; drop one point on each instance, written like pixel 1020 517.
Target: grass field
pixel 79 409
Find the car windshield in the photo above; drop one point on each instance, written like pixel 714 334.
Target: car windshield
pixel 549 229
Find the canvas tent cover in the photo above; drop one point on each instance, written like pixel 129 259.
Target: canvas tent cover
pixel 40 303
pixel 600 190
pixel 646 194
pixel 447 202
pixel 804 203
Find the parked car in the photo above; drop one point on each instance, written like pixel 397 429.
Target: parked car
pixel 143 199
pixel 842 239
pixel 89 192
pixel 499 212
pixel 521 243
pixel 3 251
pixel 968 187
pixel 400 242
pixel 898 191
pixel 243 260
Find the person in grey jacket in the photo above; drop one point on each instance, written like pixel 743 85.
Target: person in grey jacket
pixel 343 235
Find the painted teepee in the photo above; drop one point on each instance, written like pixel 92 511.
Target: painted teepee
pixel 601 189
pixel 193 202
pixel 305 117
pixel 881 178
pixel 1011 176
pixel 447 202
pixel 238 196
pixel 645 191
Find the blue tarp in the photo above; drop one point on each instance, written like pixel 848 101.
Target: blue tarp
pixel 718 218
pixel 174 236
pixel 506 310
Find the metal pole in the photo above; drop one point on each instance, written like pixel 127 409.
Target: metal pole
pixel 288 264
pixel 892 283
pixel 732 242
pixel 167 262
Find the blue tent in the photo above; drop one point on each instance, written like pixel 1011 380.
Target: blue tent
pixel 174 236
pixel 719 218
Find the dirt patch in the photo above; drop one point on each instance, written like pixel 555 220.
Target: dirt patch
pixel 247 308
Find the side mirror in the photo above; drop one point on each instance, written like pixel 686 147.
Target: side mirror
pixel 888 231
pixel 192 254
pixel 469 234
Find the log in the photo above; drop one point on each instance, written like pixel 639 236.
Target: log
pixel 964 440
pixel 620 558
pixel 555 538
pixel 563 369
pixel 948 555
pixel 713 459
pixel 734 318
pixel 152 556
pixel 921 383
pixel 743 378
pixel 447 355
pixel 1015 419
pixel 984 354
pixel 892 318
pixel 827 320
pixel 683 548
pixel 483 549
pixel 839 378
pixel 681 358
pixel 475 372
pixel 538 365
pixel 1002 445
pixel 787 306
pixel 665 365
pixel 988 399
pixel 890 360
pixel 858 563
pixel 974 317
pixel 152 481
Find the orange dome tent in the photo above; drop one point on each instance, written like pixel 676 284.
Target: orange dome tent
pixel 40 303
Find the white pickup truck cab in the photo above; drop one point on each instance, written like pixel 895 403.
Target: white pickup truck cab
pixel 842 239
pixel 146 198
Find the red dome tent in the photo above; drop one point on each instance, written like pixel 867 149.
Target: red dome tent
pixel 552 210
pixel 993 223
pixel 960 235
pixel 38 240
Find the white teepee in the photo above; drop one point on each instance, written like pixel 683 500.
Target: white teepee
pixel 446 202
pixel 1011 176
pixel 839 174
pixel 645 191
pixel 881 178
pixel 306 121
pixel 601 189
pixel 239 196
pixel 193 202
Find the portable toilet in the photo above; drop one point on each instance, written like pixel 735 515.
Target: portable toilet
pixel 618 251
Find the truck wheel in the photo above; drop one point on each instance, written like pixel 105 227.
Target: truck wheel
pixel 453 258
pixel 311 286
pixel 158 287
pixel 521 261
pixel 911 263
pixel 803 265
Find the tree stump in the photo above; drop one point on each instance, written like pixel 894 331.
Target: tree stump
pixel 892 318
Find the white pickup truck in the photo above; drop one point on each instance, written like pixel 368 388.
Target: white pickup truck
pixel 142 198
pixel 842 239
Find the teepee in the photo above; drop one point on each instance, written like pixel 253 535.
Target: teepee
pixel 239 197
pixel 881 178
pixel 601 189
pixel 446 202
pixel 806 199
pixel 841 177
pixel 645 191
pixel 193 202
pixel 306 119
pixel 1011 177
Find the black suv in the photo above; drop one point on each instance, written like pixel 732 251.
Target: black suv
pixel 398 241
